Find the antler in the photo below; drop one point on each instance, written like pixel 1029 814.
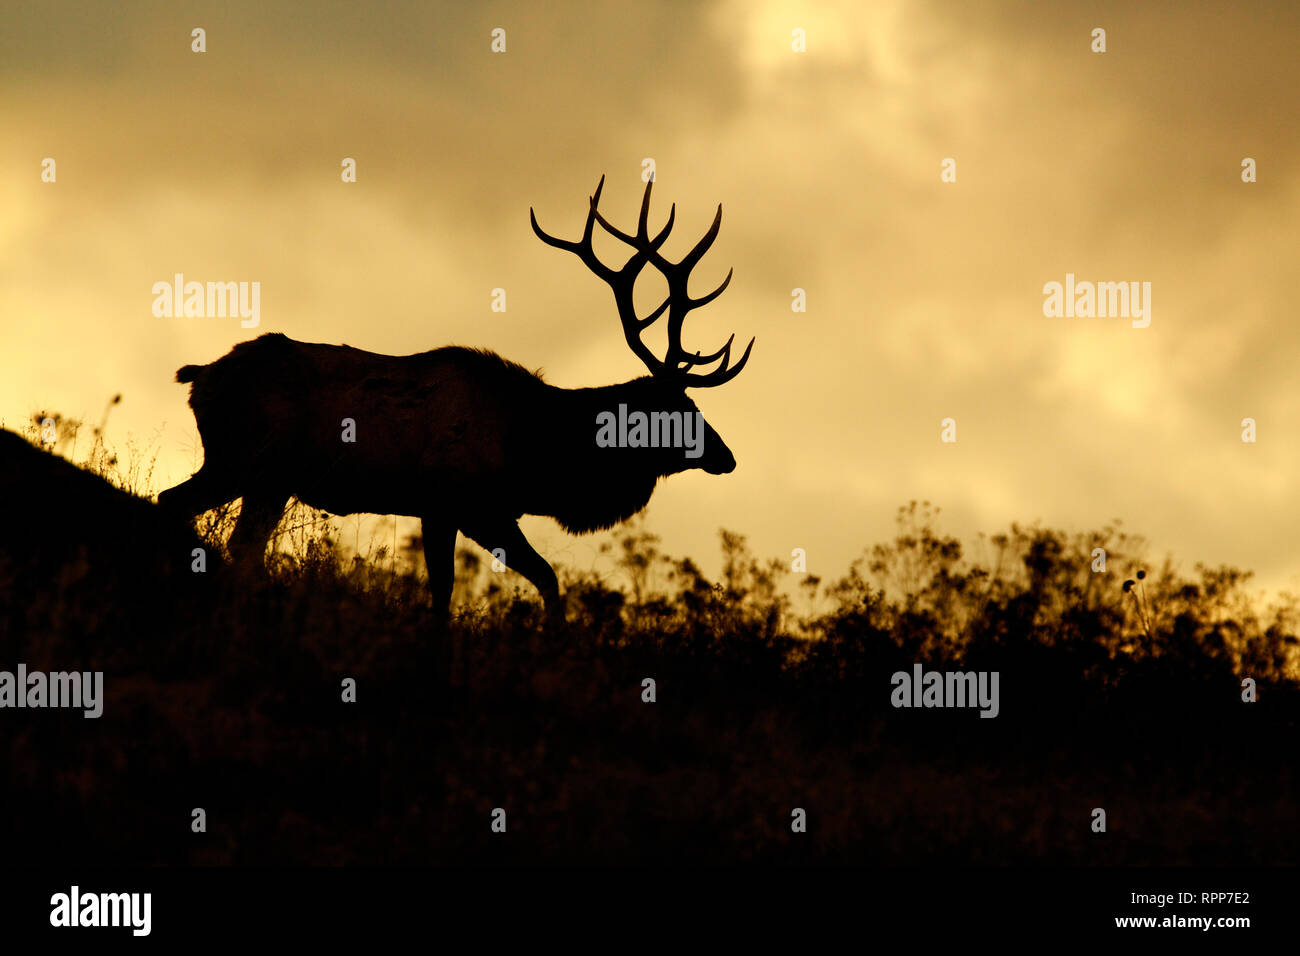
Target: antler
pixel 677 364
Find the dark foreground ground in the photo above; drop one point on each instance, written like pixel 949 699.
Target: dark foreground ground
pixel 225 693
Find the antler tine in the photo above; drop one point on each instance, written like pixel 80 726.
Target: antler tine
pixel 678 362
pixel 649 319
pixel 546 237
pixel 705 300
pixel 641 242
pixel 678 276
pixel 646 247
pixel 721 375
pixel 688 261
pixel 589 227
pixel 641 228
pixel 621 281
pixel 690 361
pixel 581 247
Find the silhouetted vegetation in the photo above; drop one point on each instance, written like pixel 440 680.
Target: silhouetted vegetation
pixel 1120 689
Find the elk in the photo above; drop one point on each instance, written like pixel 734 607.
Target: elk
pixel 460 438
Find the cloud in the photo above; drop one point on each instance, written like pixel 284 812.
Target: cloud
pixel 924 299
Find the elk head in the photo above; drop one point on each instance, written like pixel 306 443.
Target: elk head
pixel 665 390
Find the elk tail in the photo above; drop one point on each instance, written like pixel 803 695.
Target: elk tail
pixel 188 373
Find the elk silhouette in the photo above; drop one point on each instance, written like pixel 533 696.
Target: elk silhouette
pixel 460 438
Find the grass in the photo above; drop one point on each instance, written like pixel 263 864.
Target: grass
pixel 224 691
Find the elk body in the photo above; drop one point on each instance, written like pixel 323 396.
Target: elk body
pixel 460 438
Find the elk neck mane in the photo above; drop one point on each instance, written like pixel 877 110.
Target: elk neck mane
pixel 608 485
pixel 593 488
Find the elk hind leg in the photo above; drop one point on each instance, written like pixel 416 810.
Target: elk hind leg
pixel 202 492
pixel 258 516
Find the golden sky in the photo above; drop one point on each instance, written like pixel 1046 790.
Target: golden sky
pixel 925 298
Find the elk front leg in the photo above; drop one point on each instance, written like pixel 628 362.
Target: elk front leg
pixel 440 561
pixel 504 535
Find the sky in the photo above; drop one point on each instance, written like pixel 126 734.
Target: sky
pixel 924 297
